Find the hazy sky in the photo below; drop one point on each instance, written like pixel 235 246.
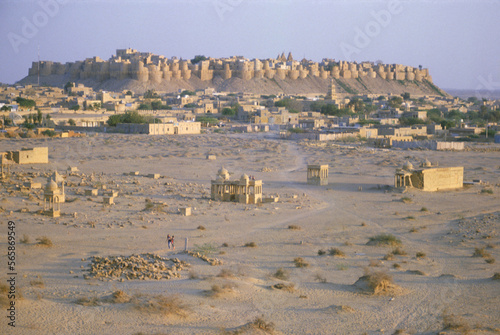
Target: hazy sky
pixel 459 41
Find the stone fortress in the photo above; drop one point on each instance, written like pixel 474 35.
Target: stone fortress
pixel 147 67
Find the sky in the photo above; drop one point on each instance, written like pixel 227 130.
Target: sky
pixel 458 41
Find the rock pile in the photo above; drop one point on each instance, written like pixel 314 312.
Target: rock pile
pixel 143 267
pixel 211 261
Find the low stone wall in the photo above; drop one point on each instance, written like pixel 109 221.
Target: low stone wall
pixel 428 145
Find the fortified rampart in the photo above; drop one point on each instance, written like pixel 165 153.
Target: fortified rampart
pixel 144 67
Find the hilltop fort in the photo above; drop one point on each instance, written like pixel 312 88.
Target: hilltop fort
pixel 143 70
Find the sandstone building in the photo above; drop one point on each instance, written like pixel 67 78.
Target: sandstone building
pixel 244 190
pixel 428 178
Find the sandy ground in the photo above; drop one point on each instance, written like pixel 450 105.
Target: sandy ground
pixel 447 290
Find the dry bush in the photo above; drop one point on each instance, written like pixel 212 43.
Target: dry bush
pixel 480 252
pixel 86 301
pixel 160 304
pixel 321 252
pixel 193 275
pixel 201 227
pixel 261 324
pixel 226 273
pixel 284 287
pixel 119 297
pixel 396 265
pixel 225 245
pixel 407 200
pixel 336 252
pixel 25 239
pixel 218 290
pixel 294 227
pixel 420 254
pixel 320 278
pixel 424 209
pixel 388 257
pixel 374 263
pixel 37 283
pixel 300 262
pixel 414 230
pixel 44 241
pixel 496 276
pixel 377 283
pixel 453 322
pixel 490 260
pixel 399 252
pixel 416 272
pixel 251 245
pixel 281 274
pixel 384 239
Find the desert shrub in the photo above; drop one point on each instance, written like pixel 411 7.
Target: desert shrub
pixel 225 273
pixel 225 245
pixel 396 265
pixel 37 283
pixel 320 278
pixel 388 257
pixel 281 274
pixel 300 262
pixel 119 297
pixel 336 252
pixel 342 267
pixel 490 260
pixel 486 191
pixel 407 200
pixel 424 209
pixel 160 304
pixel 411 217
pixel 201 227
pixel 480 252
pixel 384 239
pixel 86 301
pixel 496 276
pixel 377 282
pixel 260 323
pixel 294 227
pixel 25 239
pixel 193 275
pixel 250 245
pixel 321 252
pixel 453 322
pixel 284 287
pixel 218 290
pixel 413 230
pixel 44 241
pixel 374 263
pixel 399 252
pixel 420 254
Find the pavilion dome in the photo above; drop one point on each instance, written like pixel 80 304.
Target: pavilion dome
pixel 51 186
pixel 407 166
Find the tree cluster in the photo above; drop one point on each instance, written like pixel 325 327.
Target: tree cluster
pixel 130 117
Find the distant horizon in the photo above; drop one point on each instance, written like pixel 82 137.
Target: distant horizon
pixel 454 40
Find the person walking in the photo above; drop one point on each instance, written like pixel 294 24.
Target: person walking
pixel 172 242
pixel 169 241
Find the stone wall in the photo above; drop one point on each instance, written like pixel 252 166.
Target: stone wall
pixel 146 67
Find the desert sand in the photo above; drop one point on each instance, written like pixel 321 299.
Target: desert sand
pixel 445 289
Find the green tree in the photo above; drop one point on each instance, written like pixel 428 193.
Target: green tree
pixel 39 116
pixel 187 92
pixel 67 86
pixel 72 122
pixel 198 58
pixel 6 108
pixel 151 94
pixel 128 93
pixel 406 96
pixel 75 107
pixel 292 105
pixel 395 102
pixel 25 103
